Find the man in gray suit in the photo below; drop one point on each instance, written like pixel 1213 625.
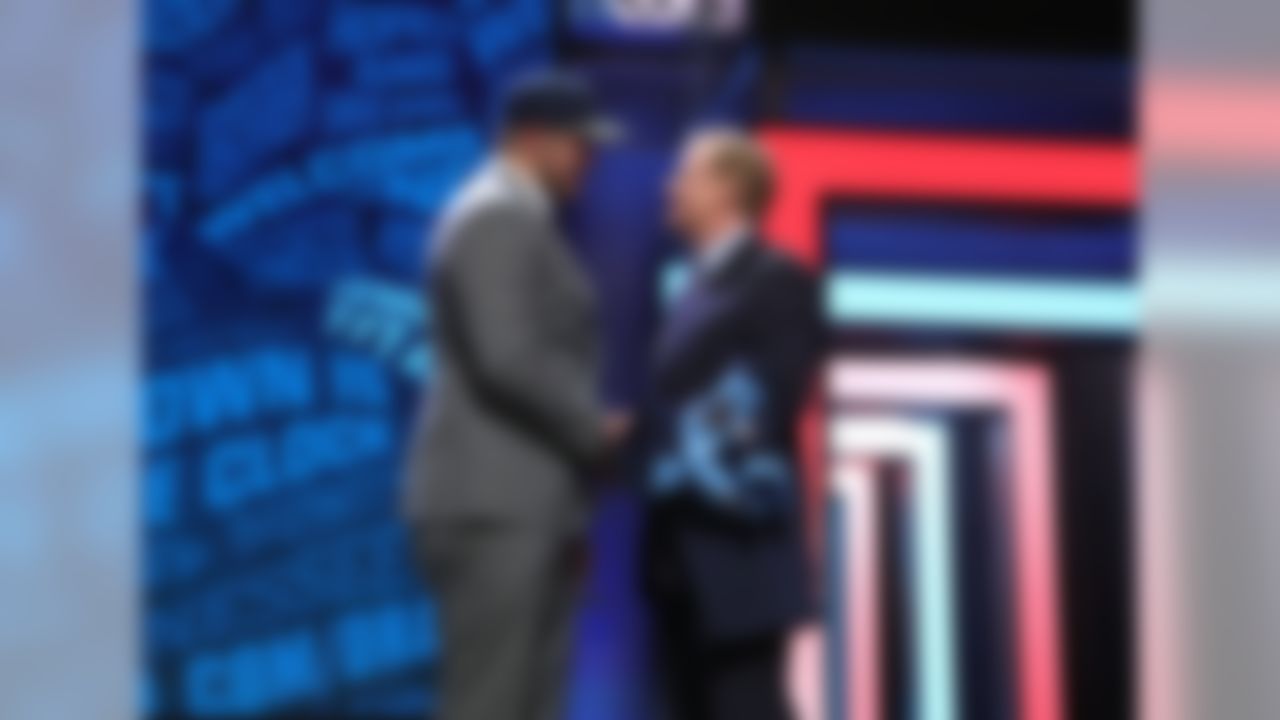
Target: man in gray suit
pixel 494 492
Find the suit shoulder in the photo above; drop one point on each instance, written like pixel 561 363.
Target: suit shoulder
pixel 490 216
pixel 779 268
pixel 483 207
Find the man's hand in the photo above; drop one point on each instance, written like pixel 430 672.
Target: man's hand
pixel 618 425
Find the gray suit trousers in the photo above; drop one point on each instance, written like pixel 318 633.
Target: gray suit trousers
pixel 505 597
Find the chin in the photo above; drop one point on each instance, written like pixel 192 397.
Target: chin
pixel 674 224
pixel 570 187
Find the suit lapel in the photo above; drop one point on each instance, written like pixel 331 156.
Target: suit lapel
pixel 701 307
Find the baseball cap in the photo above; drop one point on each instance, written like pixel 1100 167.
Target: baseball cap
pixel 558 100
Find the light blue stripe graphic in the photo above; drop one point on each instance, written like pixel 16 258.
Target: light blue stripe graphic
pixel 861 298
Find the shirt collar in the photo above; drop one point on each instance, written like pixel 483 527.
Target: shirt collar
pixel 712 258
pixel 520 181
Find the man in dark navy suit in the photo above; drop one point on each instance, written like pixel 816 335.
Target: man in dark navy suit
pixel 725 563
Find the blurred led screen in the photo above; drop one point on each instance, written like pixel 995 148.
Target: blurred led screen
pixel 621 20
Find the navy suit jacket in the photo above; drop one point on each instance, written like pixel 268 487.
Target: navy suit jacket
pixel 733 556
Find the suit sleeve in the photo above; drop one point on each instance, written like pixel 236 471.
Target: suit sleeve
pixel 791 342
pixel 494 281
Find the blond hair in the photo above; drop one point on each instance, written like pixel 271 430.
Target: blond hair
pixel 739 159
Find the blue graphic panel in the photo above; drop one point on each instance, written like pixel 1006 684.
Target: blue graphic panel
pixel 265 112
pixel 956 91
pixel 982 240
pixel 296 155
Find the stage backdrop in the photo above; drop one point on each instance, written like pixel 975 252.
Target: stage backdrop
pixel 295 154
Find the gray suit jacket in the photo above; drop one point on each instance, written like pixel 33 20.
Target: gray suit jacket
pixel 512 413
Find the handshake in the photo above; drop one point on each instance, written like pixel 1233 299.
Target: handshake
pixel 618 426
